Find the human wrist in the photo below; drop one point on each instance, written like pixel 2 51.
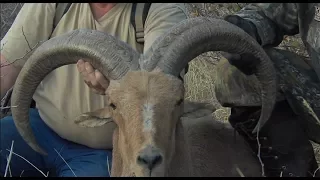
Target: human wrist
pixel 245 25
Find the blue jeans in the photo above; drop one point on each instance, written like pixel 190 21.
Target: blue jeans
pixel 81 160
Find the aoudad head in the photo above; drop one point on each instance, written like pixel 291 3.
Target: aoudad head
pixel 145 93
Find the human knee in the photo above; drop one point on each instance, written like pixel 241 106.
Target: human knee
pixel 10 138
pixel 96 163
pixel 7 131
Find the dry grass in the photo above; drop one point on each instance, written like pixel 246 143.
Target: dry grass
pixel 11 152
pixel 199 80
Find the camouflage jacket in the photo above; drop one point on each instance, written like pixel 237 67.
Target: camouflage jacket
pixel 274 20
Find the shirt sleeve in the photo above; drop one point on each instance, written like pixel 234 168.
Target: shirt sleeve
pixel 272 20
pixel 33 24
pixel 161 17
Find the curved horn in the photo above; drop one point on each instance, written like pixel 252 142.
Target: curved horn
pixel 112 57
pixel 195 36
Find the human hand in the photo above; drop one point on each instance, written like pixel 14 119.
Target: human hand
pixel 93 77
pixel 243 62
pixel 246 25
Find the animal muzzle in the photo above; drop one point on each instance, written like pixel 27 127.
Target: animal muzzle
pixel 150 158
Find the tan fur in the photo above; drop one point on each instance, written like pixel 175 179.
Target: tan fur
pixel 190 141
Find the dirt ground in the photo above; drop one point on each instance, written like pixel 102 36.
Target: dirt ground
pixel 199 80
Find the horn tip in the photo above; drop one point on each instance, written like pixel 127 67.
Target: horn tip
pixel 38 149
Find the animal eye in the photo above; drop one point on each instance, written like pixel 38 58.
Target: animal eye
pixel 179 102
pixel 113 106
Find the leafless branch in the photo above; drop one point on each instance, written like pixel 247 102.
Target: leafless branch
pixel 21 173
pixel 239 171
pixel 25 37
pixel 315 172
pixel 2 46
pixel 9 168
pixel 14 10
pixel 239 5
pixel 259 150
pixel 8 160
pixel 65 162
pixel 4 24
pixel 4 75
pixel 109 170
pixel 28 162
pixel 27 53
pixel 8 107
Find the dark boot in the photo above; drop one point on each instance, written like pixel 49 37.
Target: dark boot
pixel 285 148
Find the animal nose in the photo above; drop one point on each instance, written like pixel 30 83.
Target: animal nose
pixel 149 157
pixel 151 161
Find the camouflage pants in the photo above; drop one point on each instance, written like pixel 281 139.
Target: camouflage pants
pixel 298 84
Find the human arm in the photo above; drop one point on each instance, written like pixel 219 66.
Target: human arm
pixel 9 73
pixel 32 25
pixel 271 20
pixel 267 23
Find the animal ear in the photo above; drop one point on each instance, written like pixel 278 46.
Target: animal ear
pixel 94 119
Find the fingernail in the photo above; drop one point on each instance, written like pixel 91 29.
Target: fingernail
pixel 87 65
